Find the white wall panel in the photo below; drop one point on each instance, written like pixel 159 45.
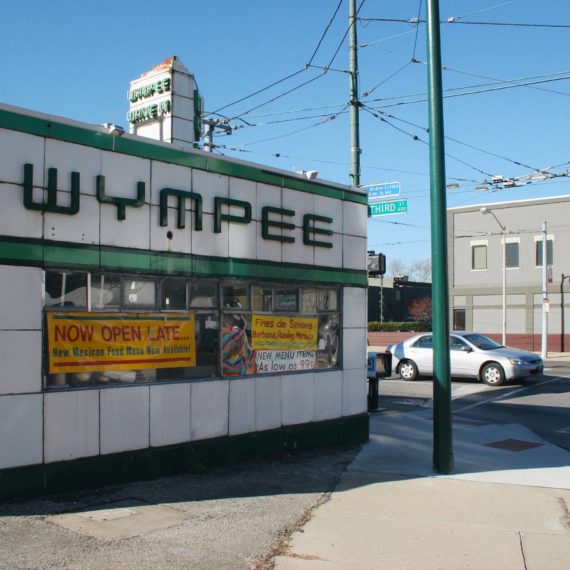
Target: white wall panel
pixel 331 208
pixel 298 252
pixel 332 256
pixel 81 228
pixel 242 406
pixel 328 395
pixel 354 253
pixel 354 343
pixel 15 220
pixel 71 425
pixel 210 185
pixel 268 407
pixel 21 293
pixel 301 202
pixel 181 240
pixel 209 409
pixel 122 174
pixel 132 232
pixel 68 158
pixel 298 398
pixel 243 239
pixel 124 419
pixel 354 306
pixel 269 250
pixel 165 175
pixel 355 219
pixel 19 149
pixel 169 414
pixel 246 190
pixel 21 358
pixel 354 392
pixel 268 195
pixel 21 433
pixel 207 242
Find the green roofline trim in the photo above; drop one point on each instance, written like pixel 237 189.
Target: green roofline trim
pixel 53 129
pixel 46 254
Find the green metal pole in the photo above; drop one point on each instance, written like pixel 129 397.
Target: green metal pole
pixel 442 436
pixel 354 102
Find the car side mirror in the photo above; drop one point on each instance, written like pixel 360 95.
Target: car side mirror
pixel 466 349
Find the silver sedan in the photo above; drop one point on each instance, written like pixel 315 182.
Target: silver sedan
pixel 471 355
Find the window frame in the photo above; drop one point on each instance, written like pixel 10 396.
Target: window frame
pixel 477 246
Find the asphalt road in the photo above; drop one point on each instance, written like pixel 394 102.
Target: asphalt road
pixel 540 403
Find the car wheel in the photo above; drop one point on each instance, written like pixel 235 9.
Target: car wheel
pixel 493 374
pixel 408 370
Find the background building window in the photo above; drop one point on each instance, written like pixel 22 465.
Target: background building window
pixel 512 258
pixel 458 319
pixel 549 252
pixel 479 257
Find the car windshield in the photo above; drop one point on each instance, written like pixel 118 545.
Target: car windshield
pixel 482 342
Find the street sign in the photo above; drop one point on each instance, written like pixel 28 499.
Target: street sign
pixel 377 192
pixel 388 207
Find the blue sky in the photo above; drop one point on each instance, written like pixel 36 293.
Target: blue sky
pixel 76 59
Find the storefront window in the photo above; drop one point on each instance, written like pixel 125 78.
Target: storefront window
pixel 328 300
pixel 309 301
pixel 262 298
pixel 286 299
pixel 105 291
pixel 139 293
pixel 107 329
pixel 203 295
pixel 235 296
pixel 173 295
pixel 64 289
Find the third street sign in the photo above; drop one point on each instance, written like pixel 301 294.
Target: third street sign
pixel 388 207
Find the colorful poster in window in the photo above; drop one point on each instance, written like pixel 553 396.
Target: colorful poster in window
pixel 91 342
pixel 274 344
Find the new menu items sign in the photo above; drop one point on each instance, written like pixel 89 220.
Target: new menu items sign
pixel 91 342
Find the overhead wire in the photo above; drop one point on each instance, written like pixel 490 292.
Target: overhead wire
pixel 447 68
pixel 455 21
pixel 418 22
pixel 416 138
pixel 425 129
pixel 448 95
pixel 287 77
pixel 289 91
pixel 497 82
pixel 325 32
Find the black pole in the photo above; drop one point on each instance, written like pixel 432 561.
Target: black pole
pixel 562 332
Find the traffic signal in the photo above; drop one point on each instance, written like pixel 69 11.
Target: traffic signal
pixel 375 264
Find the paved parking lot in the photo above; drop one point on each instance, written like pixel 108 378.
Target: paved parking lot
pixel 227 518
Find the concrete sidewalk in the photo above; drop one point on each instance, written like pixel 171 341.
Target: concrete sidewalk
pixel 507 505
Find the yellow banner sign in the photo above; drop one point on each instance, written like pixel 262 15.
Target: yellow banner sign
pixel 284 333
pixel 90 342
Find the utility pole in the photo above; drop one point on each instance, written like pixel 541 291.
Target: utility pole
pixel 209 126
pixel 354 102
pixel 442 436
pixel 545 305
pixel 562 331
